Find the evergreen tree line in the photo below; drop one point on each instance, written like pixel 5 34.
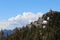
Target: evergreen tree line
pixel 37 32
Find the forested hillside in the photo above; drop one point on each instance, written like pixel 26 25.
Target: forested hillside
pixel 45 28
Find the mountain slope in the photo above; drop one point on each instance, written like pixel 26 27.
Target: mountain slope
pixel 45 28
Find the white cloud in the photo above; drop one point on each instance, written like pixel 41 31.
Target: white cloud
pixel 4 24
pixel 20 20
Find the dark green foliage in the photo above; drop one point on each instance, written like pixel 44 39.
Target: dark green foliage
pixel 33 32
pixel 26 33
pixel 53 26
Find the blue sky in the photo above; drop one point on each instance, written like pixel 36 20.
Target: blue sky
pixel 18 13
pixel 9 8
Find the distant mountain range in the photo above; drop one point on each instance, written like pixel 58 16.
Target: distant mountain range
pixel 6 32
